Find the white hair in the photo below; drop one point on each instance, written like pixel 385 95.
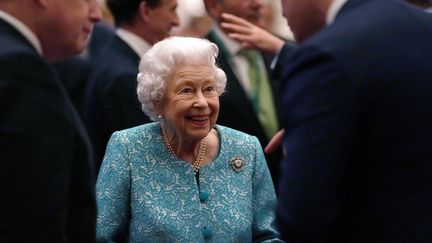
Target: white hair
pixel 162 60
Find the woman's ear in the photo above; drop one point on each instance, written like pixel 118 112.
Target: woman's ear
pixel 158 107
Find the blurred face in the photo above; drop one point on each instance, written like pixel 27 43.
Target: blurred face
pixel 247 9
pixel 162 19
pixel 303 17
pixel 191 103
pixel 66 26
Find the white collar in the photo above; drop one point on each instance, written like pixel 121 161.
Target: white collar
pixel 23 29
pixel 232 46
pixel 138 44
pixel 334 9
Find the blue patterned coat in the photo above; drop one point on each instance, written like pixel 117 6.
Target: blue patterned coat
pixel 146 194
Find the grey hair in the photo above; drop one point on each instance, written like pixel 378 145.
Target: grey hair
pixel 162 60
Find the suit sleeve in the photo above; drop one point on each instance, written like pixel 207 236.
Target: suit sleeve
pixel 280 58
pixel 113 193
pixel 320 116
pixel 264 200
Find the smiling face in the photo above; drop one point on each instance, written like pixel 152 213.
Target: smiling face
pixel 190 105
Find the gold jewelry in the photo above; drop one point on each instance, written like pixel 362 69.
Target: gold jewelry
pixel 201 150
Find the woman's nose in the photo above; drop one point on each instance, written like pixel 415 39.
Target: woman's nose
pixel 200 100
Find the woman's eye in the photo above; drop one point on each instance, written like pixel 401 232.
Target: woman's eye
pixel 209 89
pixel 186 91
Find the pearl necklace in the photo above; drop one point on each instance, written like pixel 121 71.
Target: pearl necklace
pixel 201 150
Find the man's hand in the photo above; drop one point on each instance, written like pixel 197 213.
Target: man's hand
pixel 275 142
pixel 250 35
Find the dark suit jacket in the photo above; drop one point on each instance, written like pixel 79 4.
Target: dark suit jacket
pixel 281 59
pixel 100 38
pixel 75 73
pixel 111 102
pixel 236 110
pixel 358 126
pixel 46 178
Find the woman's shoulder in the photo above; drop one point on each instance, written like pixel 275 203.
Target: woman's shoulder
pixel 232 136
pixel 139 132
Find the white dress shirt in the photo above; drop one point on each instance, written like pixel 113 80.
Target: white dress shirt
pixel 138 44
pixel 240 64
pixel 23 29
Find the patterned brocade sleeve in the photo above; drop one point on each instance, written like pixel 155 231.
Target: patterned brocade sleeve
pixel 264 200
pixel 113 192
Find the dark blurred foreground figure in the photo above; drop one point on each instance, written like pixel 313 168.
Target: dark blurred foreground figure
pixel 358 123
pixel 46 178
pixel 74 73
pixel 183 178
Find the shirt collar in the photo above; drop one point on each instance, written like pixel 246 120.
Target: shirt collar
pixel 334 9
pixel 138 44
pixel 232 46
pixel 23 29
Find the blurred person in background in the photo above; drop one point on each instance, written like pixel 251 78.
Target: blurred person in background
pixel 102 34
pixel 46 176
pixel 274 22
pixel 254 36
pixel 111 101
pixel 194 21
pixel 75 71
pixel 251 102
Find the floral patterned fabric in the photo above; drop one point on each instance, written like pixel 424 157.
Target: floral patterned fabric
pixel 145 194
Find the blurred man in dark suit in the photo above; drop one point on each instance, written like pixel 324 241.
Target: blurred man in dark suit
pixel 46 178
pixel 358 123
pixel 111 100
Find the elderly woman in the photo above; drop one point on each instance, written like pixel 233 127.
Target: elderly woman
pixel 183 178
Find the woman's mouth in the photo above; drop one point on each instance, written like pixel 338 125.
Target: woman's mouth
pixel 198 120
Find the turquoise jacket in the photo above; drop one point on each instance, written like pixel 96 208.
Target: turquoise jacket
pixel 145 194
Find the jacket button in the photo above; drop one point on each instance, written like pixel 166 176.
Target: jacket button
pixel 203 196
pixel 207 232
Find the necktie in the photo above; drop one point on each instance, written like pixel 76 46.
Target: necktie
pixel 260 92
